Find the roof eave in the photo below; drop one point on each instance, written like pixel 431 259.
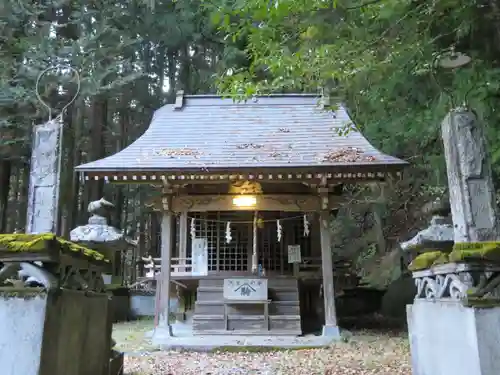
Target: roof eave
pixel 396 165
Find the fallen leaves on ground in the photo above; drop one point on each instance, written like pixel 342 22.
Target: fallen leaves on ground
pixel 365 354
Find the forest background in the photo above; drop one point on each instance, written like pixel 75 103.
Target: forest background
pixel 375 56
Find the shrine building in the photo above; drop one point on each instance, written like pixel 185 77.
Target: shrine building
pixel 249 190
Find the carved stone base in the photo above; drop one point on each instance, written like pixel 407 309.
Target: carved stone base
pixel 74 275
pixel 456 281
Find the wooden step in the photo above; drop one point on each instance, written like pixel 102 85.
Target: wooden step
pixel 202 325
pixel 275 308
pixel 284 311
pixel 221 302
pixel 270 290
pixel 272 282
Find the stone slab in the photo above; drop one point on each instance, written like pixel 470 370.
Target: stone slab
pixel 447 338
pixel 181 338
pixel 21 339
pixel 55 333
pixel 209 343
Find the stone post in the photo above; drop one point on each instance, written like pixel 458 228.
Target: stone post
pixel 43 193
pixel 472 195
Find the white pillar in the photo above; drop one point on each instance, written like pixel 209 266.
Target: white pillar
pixel 330 328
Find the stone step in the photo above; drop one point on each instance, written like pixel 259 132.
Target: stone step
pixel 258 332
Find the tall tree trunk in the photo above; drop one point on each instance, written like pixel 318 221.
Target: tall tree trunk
pixel 99 118
pixel 23 183
pixel 74 205
pixel 185 72
pixel 172 73
pixel 5 173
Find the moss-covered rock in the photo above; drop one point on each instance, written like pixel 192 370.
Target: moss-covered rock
pixel 41 242
pixel 427 260
pixel 476 252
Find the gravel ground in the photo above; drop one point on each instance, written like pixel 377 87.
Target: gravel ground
pixel 363 354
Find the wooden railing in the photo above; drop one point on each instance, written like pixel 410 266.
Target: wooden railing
pixel 310 267
pixel 178 267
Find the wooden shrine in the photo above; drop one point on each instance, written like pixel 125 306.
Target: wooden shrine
pixel 248 189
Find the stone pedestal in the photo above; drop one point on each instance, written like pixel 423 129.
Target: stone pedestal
pixel 447 338
pixel 56 333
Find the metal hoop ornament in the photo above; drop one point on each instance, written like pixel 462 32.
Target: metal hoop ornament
pixel 37 86
pixel 450 60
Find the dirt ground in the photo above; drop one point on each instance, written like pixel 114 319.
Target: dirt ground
pixel 363 353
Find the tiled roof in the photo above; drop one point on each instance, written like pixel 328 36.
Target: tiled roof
pixel 209 132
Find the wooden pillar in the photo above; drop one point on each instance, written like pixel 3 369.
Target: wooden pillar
pixel 330 328
pixel 183 231
pixel 255 255
pixel 164 329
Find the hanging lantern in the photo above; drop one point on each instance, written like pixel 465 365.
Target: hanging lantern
pixel 279 230
pixel 229 238
pixel 193 229
pixel 306 226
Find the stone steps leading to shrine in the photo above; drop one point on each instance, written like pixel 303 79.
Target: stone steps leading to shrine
pixel 284 310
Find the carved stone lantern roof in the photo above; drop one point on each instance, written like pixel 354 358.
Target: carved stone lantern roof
pixel 438 236
pixel 97 232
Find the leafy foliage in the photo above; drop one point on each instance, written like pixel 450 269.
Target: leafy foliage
pixel 378 56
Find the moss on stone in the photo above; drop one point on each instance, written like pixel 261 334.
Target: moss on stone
pixel 38 243
pixel 476 252
pixel 483 303
pixel 23 293
pixel 442 259
pixel 427 260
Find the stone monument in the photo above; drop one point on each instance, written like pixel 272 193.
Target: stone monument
pixel 454 321
pixel 43 192
pixel 53 311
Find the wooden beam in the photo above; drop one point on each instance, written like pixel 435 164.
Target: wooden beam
pixel 346 174
pixel 265 202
